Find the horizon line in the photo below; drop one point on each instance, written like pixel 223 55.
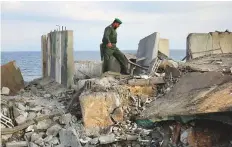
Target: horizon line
pixel 73 50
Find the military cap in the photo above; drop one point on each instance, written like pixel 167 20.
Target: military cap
pixel 118 21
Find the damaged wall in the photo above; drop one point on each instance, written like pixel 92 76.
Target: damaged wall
pixel 200 44
pixel 57 54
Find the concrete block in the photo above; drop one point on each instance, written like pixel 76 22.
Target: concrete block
pixel 97 107
pixel 164 46
pixel 148 48
pixel 11 77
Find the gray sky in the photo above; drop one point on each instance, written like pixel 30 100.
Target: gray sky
pixel 23 23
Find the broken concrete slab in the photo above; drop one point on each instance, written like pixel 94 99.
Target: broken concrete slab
pixel 148 47
pixel 11 77
pixel 208 63
pixel 190 96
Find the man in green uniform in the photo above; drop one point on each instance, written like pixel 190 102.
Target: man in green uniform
pixel 109 48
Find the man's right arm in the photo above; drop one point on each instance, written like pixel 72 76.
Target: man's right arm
pixel 106 36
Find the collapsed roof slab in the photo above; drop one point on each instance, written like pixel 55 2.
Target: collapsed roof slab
pixel 194 93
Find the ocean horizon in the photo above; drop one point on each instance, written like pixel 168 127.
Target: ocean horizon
pixel 30 62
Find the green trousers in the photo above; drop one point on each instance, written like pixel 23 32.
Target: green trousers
pixel 108 53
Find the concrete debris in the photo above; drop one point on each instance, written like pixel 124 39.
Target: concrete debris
pixel 16 144
pixel 128 111
pixel 107 139
pixel 53 130
pixel 47 95
pixel 5 91
pixel 21 106
pixel 6 137
pixel 35 137
pixel 31 144
pixel 44 125
pixel 30 128
pixel 65 119
pixel 31 115
pixel 69 137
pixel 21 118
pixel 48 138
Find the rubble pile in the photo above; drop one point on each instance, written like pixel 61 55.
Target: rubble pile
pixel 168 109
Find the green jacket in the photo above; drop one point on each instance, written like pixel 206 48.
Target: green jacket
pixel 110 35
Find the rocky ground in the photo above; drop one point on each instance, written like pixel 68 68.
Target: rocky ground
pixel 105 112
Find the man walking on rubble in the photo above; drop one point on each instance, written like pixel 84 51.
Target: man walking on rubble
pixel 109 48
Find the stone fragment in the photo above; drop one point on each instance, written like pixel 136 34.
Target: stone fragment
pixel 34 90
pixel 44 125
pixel 30 128
pixel 69 137
pixel 17 144
pixel 117 114
pixel 184 136
pixel 94 141
pixel 56 118
pixel 36 108
pixel 48 138
pixel 35 137
pixel 27 136
pixel 21 118
pixel 17 112
pixel 96 108
pixel 6 137
pixel 172 71
pixel 54 141
pixel 142 90
pixel 131 137
pixel 144 82
pixel 53 130
pixel 31 115
pixel 21 106
pixel 65 119
pixel 106 139
pixel 39 141
pixel 45 111
pixel 47 95
pixel 32 144
pixel 5 91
